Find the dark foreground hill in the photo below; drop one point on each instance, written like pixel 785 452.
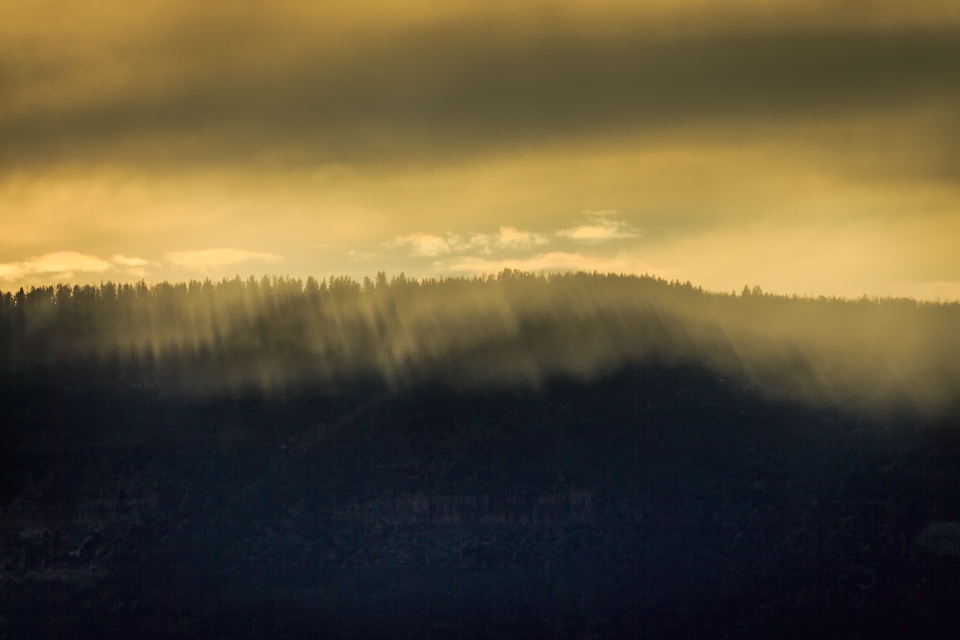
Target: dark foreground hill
pixel 578 456
pixel 655 502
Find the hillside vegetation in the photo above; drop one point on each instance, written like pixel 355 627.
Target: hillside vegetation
pixel 281 334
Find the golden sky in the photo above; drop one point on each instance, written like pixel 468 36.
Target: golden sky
pixel 802 146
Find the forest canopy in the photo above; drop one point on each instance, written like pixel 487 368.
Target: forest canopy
pixel 279 334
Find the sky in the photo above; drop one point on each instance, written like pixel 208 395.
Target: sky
pixel 801 146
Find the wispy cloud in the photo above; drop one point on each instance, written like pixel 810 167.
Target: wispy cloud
pixel 58 263
pixel 131 261
pixel 556 261
pixel 512 238
pixel 600 229
pixel 423 244
pixel 210 258
pixel 134 265
pixel 427 245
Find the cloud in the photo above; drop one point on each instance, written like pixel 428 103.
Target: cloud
pixel 427 245
pixel 511 238
pixel 210 258
pixel 128 261
pixel 58 263
pixel 556 261
pixel 260 86
pixel 135 266
pixel 423 244
pixel 600 230
pixel 479 241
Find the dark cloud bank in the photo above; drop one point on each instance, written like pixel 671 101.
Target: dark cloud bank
pixel 460 88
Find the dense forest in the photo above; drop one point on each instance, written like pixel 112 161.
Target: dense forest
pixel 522 456
pixel 278 334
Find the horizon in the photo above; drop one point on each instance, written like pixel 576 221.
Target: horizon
pixel 365 282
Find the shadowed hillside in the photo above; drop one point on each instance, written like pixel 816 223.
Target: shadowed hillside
pixel 524 457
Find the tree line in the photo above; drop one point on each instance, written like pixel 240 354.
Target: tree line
pixel 276 333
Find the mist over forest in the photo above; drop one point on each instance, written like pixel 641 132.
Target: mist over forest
pixel 279 335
